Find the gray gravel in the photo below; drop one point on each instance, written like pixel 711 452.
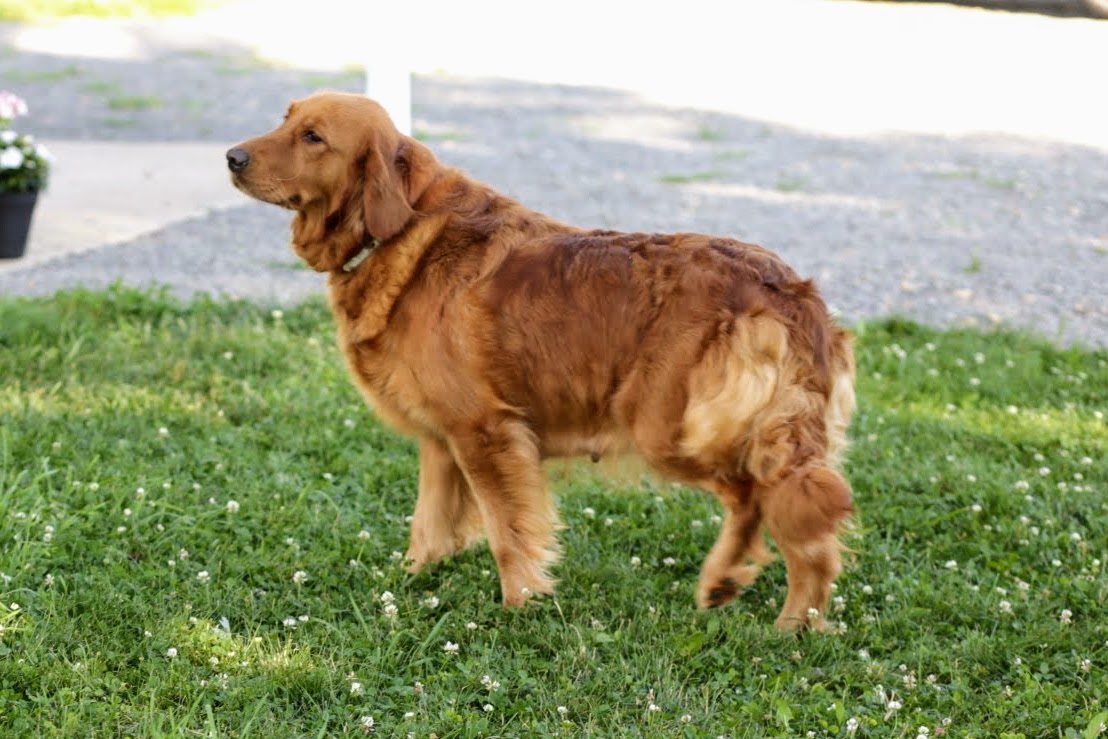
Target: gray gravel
pixel 947 231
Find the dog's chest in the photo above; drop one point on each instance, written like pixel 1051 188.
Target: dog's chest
pixel 393 388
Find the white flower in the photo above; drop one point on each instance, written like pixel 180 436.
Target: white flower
pixel 171 652
pixel 355 688
pixel 387 597
pixel 562 710
pixel 488 708
pixel 951 564
pixel 203 576
pixel 7 136
pixel 299 577
pixel 430 602
pixel 636 562
pixel 11 158
pixel 1067 616
pixel 1005 606
pixel 450 647
pixel 232 506
pixel 490 684
pixel 366 722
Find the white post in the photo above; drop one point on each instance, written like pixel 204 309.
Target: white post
pixel 390 84
pixel 388 69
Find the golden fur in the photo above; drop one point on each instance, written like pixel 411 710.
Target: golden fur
pixel 498 337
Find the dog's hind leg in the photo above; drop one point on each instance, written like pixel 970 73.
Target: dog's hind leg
pixel 803 513
pixel 446 519
pixel 501 461
pixel 739 552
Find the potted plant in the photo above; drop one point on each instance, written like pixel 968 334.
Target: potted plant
pixel 24 169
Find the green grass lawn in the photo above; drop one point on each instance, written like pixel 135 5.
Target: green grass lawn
pixel 200 526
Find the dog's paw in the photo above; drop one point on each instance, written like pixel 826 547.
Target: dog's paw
pixel 718 593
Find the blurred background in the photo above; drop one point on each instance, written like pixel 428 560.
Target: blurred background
pixel 944 161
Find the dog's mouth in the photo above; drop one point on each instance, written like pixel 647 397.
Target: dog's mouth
pixel 267 193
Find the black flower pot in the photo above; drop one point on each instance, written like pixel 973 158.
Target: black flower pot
pixel 15 222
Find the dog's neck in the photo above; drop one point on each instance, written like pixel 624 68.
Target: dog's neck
pixel 363 297
pixel 361 255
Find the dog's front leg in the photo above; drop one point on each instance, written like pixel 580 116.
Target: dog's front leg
pixel 446 519
pixel 501 461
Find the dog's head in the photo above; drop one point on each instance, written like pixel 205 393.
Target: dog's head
pixel 339 162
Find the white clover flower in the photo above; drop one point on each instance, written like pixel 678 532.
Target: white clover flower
pixel 636 562
pixel 355 688
pixel 488 708
pixel 951 564
pixel 669 561
pixel 654 708
pixel 562 710
pixel 363 534
pixel 589 512
pixel 203 576
pixel 450 647
pixel 471 626
pixel 1066 617
pixel 430 602
pixel 232 506
pixel 391 610
pixel 1005 606
pixel 171 652
pixel 299 577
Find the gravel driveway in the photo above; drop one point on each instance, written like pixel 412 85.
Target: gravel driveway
pixel 947 230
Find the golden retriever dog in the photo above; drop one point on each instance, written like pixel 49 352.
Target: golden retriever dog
pixel 498 337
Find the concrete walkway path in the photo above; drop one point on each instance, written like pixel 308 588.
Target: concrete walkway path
pixel 108 192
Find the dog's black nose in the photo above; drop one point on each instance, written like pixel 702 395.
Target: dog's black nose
pixel 237 159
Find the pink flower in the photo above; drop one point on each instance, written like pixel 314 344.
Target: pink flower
pixel 11 106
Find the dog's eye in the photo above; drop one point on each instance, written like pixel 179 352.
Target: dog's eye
pixel 311 137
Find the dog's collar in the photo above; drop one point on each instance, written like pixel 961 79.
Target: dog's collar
pixel 355 261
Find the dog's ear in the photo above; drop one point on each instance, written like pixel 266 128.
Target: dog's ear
pixel 385 204
pixel 417 165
